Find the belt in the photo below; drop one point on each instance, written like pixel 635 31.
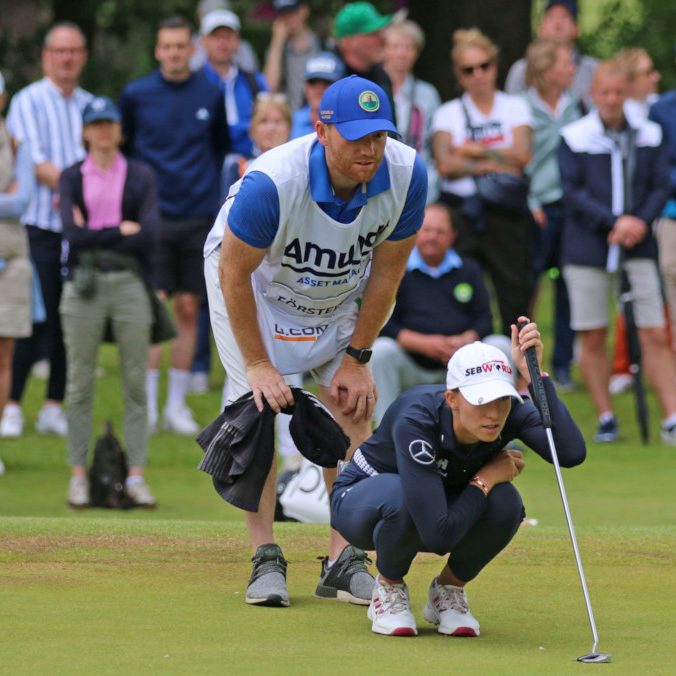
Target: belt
pixel 363 464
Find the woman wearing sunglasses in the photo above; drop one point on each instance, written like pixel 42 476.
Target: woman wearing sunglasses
pixel 481 144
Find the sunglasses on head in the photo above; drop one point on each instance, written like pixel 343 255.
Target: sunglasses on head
pixel 483 67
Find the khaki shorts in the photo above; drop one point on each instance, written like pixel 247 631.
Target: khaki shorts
pixel 589 290
pixel 291 346
pixel 15 282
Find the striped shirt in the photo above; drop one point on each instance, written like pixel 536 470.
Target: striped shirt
pixel 52 123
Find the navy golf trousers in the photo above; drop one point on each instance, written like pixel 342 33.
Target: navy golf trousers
pixel 369 512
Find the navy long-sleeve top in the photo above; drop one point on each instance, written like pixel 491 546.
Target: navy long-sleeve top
pixel 139 203
pixel 180 130
pixel 415 440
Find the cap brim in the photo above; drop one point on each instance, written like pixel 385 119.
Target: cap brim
pixel 356 129
pixel 99 117
pixel 321 76
pixel 489 390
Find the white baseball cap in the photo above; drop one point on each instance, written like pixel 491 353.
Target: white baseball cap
pixel 219 18
pixel 482 373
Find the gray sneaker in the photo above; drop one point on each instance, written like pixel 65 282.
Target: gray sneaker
pixel 348 579
pixel 78 492
pixel 267 584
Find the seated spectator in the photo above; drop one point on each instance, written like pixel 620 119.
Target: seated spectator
pixel 415 100
pixel 16 187
pixel 487 132
pixel 605 207
pixel 245 57
pixel 441 305
pixel 220 39
pixel 549 74
pixel 109 212
pixel 559 23
pixel 321 70
pixel 293 43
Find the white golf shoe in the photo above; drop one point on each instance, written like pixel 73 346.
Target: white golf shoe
pixel 52 420
pixel 390 610
pixel 179 420
pixel 11 425
pixel 447 607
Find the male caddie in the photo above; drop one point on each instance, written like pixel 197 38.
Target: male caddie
pixel 302 266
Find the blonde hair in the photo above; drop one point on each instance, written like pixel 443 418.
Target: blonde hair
pixel 472 37
pixel 409 29
pixel 629 60
pixel 540 57
pixel 265 102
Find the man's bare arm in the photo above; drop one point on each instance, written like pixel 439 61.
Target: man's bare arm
pixel 48 174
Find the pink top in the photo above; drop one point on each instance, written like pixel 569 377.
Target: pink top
pixel 102 191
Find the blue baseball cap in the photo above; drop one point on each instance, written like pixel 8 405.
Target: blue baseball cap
pixel 357 107
pixel 100 108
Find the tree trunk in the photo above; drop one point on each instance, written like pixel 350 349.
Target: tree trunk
pixel 506 22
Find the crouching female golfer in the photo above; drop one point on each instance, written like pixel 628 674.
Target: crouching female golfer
pixel 436 477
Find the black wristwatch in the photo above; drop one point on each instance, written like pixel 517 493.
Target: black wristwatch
pixel 362 356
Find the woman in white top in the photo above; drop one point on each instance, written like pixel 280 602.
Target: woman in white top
pixel 486 132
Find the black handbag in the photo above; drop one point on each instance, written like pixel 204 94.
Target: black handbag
pixel 499 190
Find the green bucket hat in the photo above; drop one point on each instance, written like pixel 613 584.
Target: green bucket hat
pixel 357 18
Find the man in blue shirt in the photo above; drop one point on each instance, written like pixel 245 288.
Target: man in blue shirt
pixel 174 120
pixel 302 266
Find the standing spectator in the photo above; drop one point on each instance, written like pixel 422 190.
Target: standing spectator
pixel 643 81
pixel 245 57
pixel 174 120
pixel 292 44
pixel 321 70
pixel 16 186
pixel 109 213
pixel 358 29
pixel 559 23
pixel 549 74
pixel 47 115
pixel 415 100
pixel 615 179
pixel 664 112
pixel 442 304
pixel 483 132
pixel 220 37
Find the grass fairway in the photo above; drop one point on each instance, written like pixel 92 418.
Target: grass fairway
pixel 102 592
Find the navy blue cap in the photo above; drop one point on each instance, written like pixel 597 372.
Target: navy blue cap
pixel 570 5
pixel 357 107
pixel 100 108
pixel 324 66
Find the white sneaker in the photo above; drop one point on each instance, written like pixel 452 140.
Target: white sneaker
pixel 390 610
pixel 52 420
pixel 140 493
pixel 447 607
pixel 199 383
pixel 78 492
pixel 180 421
pixel 11 425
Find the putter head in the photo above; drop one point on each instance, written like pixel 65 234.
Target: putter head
pixel 592 658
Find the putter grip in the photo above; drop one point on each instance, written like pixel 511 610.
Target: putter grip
pixel 536 380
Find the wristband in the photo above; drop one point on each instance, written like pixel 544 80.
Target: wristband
pixel 480 483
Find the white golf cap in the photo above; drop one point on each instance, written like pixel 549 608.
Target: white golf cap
pixel 482 374
pixel 219 18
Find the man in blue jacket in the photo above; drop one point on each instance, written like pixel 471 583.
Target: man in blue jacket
pixel 615 182
pixel 174 120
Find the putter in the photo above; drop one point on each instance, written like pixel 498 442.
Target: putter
pixel 543 407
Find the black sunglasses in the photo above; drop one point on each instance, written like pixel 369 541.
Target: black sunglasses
pixel 469 70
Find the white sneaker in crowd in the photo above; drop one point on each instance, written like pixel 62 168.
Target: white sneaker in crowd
pixel 11 425
pixel 199 383
pixel 447 607
pixel 52 420
pixel 390 610
pixel 139 491
pixel 78 492
pixel 180 421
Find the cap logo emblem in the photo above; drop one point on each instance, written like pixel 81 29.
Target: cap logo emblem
pixel 369 101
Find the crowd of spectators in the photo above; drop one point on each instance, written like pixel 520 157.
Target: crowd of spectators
pixel 573 163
